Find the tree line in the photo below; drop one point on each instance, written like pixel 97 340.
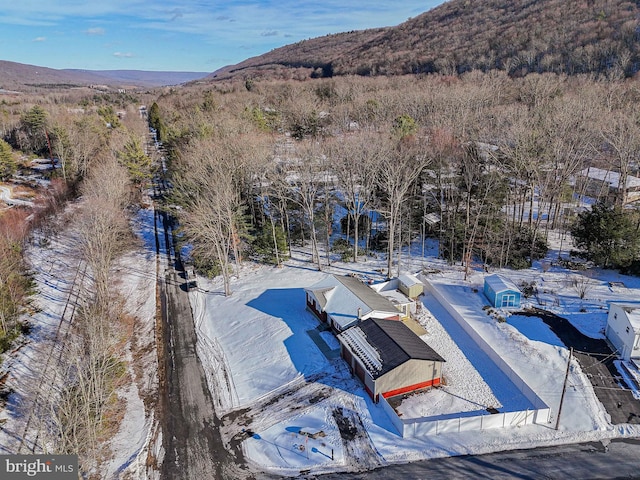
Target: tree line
pixel 98 149
pixel 484 163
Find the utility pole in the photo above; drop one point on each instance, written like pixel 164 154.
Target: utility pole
pixel 564 387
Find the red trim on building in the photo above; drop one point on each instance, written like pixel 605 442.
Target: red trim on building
pixel 411 388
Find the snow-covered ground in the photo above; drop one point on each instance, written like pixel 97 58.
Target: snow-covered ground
pixel 137 437
pixel 278 381
pixel 54 259
pixel 272 379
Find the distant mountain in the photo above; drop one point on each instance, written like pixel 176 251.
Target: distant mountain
pixel 17 76
pixel 145 77
pixel 519 36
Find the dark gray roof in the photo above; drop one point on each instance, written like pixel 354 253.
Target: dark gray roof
pixel 395 343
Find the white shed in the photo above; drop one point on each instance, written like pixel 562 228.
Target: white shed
pixel 623 328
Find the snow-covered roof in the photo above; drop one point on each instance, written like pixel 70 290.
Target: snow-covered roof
pixel 612 178
pixel 396 297
pixel 409 280
pixel 383 345
pixel 367 353
pixel 346 299
pixel 432 218
pixel 499 283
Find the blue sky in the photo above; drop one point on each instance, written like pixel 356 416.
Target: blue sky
pixel 180 35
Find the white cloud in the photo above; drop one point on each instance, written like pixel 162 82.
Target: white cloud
pixel 123 54
pixel 95 31
pixel 40 39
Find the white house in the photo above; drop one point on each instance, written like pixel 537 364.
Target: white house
pixel 345 301
pixel 392 290
pixel 623 328
pixel 608 185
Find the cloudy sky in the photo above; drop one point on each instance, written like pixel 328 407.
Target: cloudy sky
pixel 181 35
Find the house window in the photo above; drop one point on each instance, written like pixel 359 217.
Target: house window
pixel 627 329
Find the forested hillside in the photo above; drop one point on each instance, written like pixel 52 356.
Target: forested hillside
pixel 517 36
pixel 30 78
pixel 484 163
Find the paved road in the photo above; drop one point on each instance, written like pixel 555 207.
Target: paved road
pixel 589 461
pixel 193 446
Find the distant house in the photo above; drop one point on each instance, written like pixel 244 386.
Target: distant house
pixel 501 291
pixel 608 186
pixel 389 358
pixel 344 301
pixel 623 329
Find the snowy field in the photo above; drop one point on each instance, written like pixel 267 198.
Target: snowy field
pixel 273 380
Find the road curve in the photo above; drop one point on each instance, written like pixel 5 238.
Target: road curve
pixel 6 197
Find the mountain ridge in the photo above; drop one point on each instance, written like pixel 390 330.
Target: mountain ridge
pixel 519 36
pixel 16 76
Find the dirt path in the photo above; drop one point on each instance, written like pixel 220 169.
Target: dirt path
pixel 357 444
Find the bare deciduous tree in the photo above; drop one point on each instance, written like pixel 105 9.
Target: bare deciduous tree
pixel 403 162
pixel 355 160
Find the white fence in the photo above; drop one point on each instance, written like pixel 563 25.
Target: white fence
pixel 424 426
pixel 541 413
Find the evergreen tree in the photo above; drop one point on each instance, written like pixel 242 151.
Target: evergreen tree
pixel 156 123
pixel 34 130
pixel 137 162
pixel 7 161
pixel 268 241
pixel 608 235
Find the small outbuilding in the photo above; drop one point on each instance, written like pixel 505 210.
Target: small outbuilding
pixel 623 329
pixel 501 292
pixel 389 358
pixel 411 286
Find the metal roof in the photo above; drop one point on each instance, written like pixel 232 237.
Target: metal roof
pixel 612 178
pixel 388 344
pixel 346 299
